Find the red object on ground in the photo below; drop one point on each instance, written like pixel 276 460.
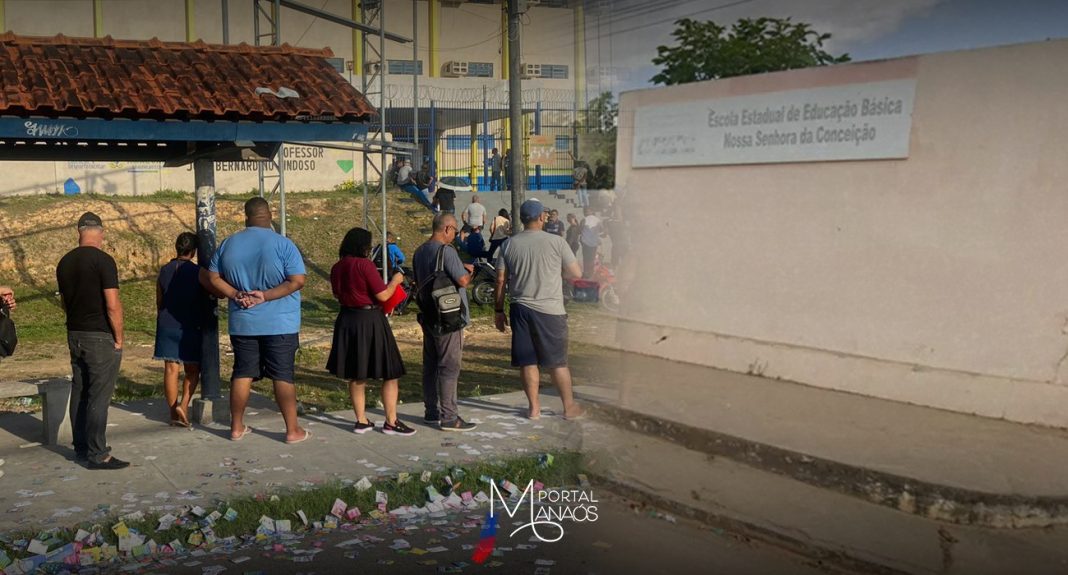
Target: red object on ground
pixel 398 296
pixel 581 283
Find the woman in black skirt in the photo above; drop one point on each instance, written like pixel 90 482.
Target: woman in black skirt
pixel 364 347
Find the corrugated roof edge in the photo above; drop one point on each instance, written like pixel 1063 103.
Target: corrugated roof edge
pixel 10 38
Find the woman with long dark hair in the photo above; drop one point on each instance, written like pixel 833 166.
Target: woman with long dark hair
pixel 363 346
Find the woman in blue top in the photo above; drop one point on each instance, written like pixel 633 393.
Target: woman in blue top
pixel 180 306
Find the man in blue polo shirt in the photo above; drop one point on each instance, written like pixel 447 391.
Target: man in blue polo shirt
pixel 261 273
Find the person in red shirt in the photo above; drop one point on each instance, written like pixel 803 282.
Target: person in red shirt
pixel 364 347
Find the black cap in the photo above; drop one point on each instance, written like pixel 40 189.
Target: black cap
pixel 90 220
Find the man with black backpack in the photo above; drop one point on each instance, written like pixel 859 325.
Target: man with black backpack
pixel 441 279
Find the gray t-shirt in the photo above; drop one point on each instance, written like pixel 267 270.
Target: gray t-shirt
pixel 535 261
pixel 425 261
pixel 476 215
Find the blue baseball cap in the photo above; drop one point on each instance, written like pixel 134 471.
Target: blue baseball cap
pixel 530 210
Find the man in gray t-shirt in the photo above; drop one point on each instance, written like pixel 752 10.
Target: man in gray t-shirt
pixel 442 354
pixel 530 266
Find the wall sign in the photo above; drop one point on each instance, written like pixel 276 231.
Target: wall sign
pixel 848 122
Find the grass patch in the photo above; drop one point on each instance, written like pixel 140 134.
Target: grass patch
pixel 40 318
pixel 317 501
pixel 317 222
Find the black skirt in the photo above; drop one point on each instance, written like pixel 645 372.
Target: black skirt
pixel 364 347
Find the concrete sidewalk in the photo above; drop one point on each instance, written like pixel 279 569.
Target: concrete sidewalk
pixel 173 466
pixel 888 452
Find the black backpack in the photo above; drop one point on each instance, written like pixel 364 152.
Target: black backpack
pixel 8 338
pixel 439 301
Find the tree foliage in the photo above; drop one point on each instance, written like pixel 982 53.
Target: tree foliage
pixel 708 51
pixel 603 114
pixel 597 140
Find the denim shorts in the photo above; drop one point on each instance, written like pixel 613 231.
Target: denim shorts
pixel 177 344
pixel 260 356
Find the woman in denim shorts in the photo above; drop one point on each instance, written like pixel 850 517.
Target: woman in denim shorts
pixel 180 305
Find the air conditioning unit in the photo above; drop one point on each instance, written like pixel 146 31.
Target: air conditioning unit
pixel 455 69
pixel 372 67
pixel 531 71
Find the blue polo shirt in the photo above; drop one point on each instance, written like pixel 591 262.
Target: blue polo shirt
pixel 260 259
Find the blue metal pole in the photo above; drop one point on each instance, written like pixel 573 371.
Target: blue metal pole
pixel 433 141
pixel 537 130
pixel 485 136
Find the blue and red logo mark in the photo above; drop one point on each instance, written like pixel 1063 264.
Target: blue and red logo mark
pixel 487 540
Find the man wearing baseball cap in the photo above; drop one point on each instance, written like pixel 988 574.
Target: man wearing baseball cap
pixel 89 286
pixel 530 265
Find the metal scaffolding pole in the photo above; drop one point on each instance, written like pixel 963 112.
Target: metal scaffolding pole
pixel 382 134
pixel 372 71
pixel 226 21
pixel 273 20
pixel 417 162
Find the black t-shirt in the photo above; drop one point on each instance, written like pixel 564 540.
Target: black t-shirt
pixel 83 275
pixel 446 199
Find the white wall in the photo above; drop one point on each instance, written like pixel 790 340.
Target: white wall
pixel 468 32
pixel 938 280
pixel 308 169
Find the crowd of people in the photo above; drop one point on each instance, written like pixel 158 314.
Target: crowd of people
pixel 261 273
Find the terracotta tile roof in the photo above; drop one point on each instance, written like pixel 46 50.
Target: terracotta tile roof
pixel 102 77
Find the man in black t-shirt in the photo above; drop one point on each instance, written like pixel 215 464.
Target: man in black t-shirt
pixel 89 285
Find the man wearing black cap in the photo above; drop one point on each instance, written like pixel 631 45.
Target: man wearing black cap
pixel 530 266
pixel 89 285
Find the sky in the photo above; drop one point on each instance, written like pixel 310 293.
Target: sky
pixel 622 35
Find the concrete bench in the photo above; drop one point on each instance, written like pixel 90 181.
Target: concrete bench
pixel 55 404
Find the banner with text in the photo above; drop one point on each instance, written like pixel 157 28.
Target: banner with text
pixel 848 122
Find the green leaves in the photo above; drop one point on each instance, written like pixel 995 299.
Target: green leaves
pixel 708 51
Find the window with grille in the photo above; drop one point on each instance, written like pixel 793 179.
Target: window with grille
pixel 458 142
pixel 405 67
pixel 554 71
pixel 480 69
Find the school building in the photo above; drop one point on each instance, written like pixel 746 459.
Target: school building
pixel 894 228
pixel 461 64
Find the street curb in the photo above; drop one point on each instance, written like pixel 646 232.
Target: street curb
pixel 833 561
pixel 925 499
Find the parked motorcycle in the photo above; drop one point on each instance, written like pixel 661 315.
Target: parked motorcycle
pixel 483 286
pixel 600 288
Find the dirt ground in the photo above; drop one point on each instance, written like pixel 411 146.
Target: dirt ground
pixel 46 360
pixel 36 231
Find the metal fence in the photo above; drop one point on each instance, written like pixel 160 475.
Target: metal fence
pixel 458 127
